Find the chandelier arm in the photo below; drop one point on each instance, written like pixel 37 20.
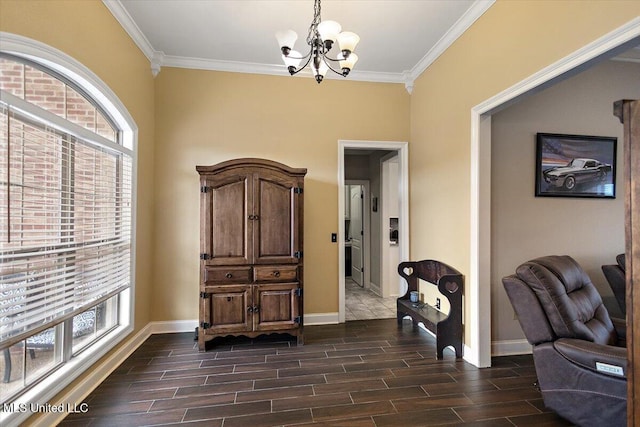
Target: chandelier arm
pixel 308 55
pixel 331 59
pixel 304 66
pixel 324 59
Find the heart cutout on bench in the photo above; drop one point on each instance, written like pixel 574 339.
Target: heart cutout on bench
pixel 408 271
pixel 451 287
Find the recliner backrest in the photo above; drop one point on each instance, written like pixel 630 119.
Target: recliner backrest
pixel 572 304
pixel 530 313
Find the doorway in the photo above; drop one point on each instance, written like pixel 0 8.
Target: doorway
pixel 365 230
pixel 478 351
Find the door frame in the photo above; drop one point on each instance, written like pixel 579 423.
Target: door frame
pixel 366 230
pixel 478 293
pixel 403 230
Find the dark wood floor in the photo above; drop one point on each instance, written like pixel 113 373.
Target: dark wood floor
pixel 361 374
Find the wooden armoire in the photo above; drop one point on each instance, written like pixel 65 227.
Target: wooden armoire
pixel 251 256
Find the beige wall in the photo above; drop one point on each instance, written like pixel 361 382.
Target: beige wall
pixel 205 117
pixel 510 42
pixel 590 230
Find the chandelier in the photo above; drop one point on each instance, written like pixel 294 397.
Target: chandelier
pixel 321 37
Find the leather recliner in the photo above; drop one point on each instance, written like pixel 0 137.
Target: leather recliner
pixel 578 350
pixel 615 274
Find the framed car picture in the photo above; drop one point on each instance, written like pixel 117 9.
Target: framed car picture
pixel 575 165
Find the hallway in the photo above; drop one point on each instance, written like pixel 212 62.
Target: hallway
pixel 362 304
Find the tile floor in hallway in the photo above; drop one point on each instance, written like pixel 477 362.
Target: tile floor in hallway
pixel 363 304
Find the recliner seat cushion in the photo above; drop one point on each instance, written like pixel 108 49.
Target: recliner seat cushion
pixel 572 303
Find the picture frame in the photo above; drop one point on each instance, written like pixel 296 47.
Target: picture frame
pixel 575 166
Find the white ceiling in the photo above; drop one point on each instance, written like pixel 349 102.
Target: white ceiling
pixel 399 38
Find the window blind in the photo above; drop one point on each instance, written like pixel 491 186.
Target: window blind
pixel 65 221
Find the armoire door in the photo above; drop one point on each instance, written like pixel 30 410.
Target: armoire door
pixel 276 306
pixel 226 211
pixel 276 235
pixel 227 308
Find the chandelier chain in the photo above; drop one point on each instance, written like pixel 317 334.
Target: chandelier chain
pixel 313 28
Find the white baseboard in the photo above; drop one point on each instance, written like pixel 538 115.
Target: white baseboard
pixel 510 347
pixel 321 319
pixel 172 326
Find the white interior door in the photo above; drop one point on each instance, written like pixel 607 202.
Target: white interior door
pixel 356 234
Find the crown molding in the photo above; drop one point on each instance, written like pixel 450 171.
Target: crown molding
pixel 270 69
pixel 477 9
pixel 129 25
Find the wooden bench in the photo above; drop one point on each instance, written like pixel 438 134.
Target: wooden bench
pixel 450 282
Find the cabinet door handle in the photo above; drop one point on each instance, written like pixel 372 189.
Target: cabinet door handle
pixel 249 309
pixel 228 275
pixel 252 217
pixel 276 273
pixel 256 309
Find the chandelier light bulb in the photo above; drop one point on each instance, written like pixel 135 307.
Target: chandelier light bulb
pixel 320 72
pixel 346 64
pixel 348 41
pixel 292 61
pixel 286 40
pixel 329 31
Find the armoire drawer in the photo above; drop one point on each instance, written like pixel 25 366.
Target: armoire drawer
pixel 275 273
pixel 227 275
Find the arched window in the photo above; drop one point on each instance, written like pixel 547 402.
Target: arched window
pixel 67 163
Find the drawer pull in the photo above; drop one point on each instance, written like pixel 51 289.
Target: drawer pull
pixel 276 273
pixel 228 275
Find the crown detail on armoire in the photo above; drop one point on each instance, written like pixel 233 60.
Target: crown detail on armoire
pixel 251 249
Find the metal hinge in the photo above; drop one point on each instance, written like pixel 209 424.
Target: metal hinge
pixel 297 254
pixel 297 190
pixel 298 292
pixel 205 325
pixel 204 189
pixel 297 319
pixel 205 294
pixel 205 257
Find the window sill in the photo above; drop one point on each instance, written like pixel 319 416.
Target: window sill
pixel 37 400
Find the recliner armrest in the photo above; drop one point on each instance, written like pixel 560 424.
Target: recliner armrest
pixel 620 326
pixel 603 359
